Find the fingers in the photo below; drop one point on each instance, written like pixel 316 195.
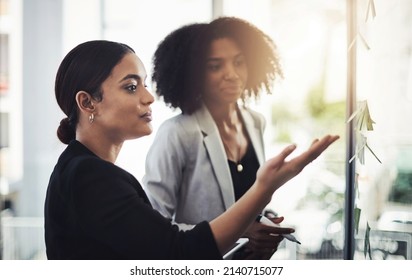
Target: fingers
pixel 281 157
pixel 286 152
pixel 327 139
pixel 274 164
pixel 314 142
pixel 269 242
pixel 264 233
pixel 318 147
pixel 258 231
pixel 277 171
pixel 264 238
pixel 277 230
pixel 324 143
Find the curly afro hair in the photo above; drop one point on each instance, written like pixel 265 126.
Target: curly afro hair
pixel 179 62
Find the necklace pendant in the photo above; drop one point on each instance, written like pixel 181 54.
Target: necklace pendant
pixel 239 167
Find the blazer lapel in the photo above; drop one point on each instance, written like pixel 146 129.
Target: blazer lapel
pixel 217 154
pixel 254 130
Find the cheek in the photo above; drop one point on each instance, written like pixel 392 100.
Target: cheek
pixel 243 73
pixel 212 80
pixel 127 112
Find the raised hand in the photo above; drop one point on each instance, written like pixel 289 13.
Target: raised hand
pixel 277 171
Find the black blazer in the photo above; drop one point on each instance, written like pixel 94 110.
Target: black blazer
pixel 96 210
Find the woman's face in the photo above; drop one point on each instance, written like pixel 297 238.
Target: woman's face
pixel 124 112
pixel 226 72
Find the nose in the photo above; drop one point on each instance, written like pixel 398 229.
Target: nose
pixel 147 98
pixel 230 73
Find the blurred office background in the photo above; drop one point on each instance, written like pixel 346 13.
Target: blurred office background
pixel 323 66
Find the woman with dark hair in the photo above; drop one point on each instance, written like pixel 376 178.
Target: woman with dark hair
pixel 206 158
pixel 96 210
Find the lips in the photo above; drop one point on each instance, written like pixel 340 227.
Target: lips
pixel 232 89
pixel 147 116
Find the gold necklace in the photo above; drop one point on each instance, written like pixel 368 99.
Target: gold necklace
pixel 239 166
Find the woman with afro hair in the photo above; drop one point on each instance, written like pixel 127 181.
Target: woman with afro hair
pixel 204 159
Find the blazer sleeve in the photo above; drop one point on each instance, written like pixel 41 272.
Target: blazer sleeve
pixel 165 162
pixel 112 208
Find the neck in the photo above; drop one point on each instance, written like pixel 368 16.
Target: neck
pixel 225 115
pixel 100 145
pixel 105 151
pixel 230 126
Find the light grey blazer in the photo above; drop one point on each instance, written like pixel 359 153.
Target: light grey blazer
pixel 187 177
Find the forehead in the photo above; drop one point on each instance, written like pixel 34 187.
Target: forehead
pixel 224 46
pixel 130 64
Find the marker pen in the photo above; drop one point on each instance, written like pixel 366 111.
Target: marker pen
pixel 266 221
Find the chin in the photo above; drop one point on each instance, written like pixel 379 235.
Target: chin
pixel 141 134
pixel 147 131
pixel 232 99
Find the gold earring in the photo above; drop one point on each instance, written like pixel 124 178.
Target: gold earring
pixel 91 118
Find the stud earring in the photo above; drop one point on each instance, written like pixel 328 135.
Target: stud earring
pixel 91 118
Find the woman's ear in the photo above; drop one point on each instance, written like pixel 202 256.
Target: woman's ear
pixel 85 102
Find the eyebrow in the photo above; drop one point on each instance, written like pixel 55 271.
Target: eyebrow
pixel 211 59
pixel 131 76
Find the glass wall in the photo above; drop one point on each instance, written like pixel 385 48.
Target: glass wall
pixel 311 100
pixel 307 103
pixel 384 81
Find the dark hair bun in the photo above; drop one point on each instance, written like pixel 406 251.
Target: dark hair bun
pixel 65 131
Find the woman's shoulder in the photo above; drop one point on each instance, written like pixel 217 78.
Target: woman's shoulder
pixel 181 120
pixel 257 117
pixel 177 133
pixel 181 125
pixel 78 159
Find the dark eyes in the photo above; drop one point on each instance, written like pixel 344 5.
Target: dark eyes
pixel 239 62
pixel 213 67
pixel 217 66
pixel 131 88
